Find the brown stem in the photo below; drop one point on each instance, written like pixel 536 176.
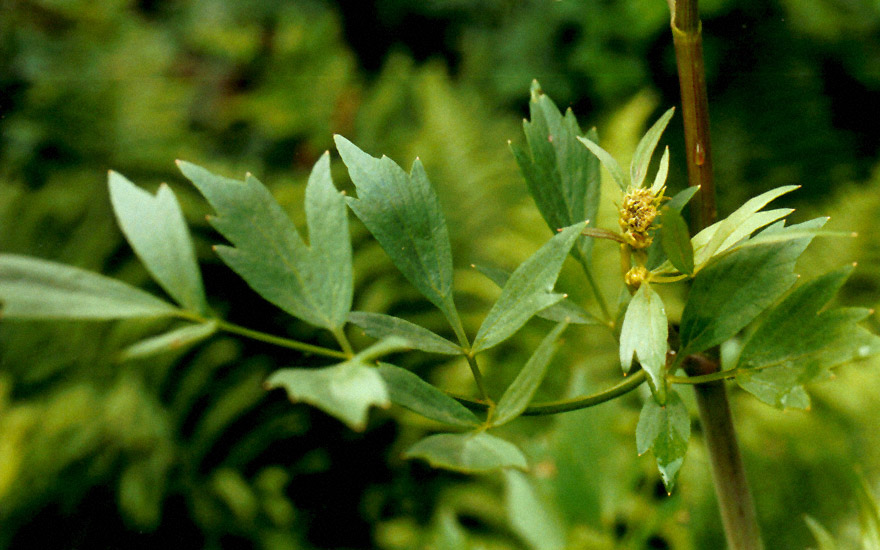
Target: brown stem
pixel 731 485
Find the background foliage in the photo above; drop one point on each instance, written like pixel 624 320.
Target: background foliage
pixel 190 450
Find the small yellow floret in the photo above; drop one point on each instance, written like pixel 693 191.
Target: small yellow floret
pixel 637 213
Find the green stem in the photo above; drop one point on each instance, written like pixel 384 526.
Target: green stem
pixel 478 378
pixel 555 407
pixel 728 473
pixel 342 339
pixel 281 341
pixel 603 305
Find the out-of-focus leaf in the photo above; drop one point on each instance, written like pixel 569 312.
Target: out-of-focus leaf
pixel 665 430
pixel 155 228
pixel 403 213
pixel 313 283
pixel 470 452
pixel 676 241
pixel 645 149
pixel 346 390
pixel 607 161
pixel 644 334
pixel 411 392
pixel 561 175
pixel 562 311
pixel 822 536
pixel 177 339
pixel 796 344
pixel 379 325
pixel 520 392
pixel 31 288
pixel 530 517
pixel 448 534
pixel 528 290
pixel 735 287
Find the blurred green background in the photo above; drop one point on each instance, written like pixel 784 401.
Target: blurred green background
pixel 188 451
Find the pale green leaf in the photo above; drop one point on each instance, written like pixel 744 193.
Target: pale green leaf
pixel 644 333
pixel 411 392
pixel 676 241
pixel 533 519
pixel 562 176
pixel 379 325
pixel 447 533
pixel 521 391
pixel 607 161
pixel 797 343
pixel 736 286
pixel 156 230
pixel 562 311
pixel 645 149
pixel 662 173
pixel 528 290
pixel 822 536
pixel 175 340
pixel 313 283
pixel 472 452
pixel 665 430
pixel 31 288
pixel 403 213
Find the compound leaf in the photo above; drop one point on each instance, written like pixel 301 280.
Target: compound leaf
pixel 665 430
pixel 735 287
pixel 528 290
pixel 520 392
pixel 313 283
pixel 645 334
pixel 411 392
pixel 403 213
pixel 796 343
pixel 472 452
pixel 31 288
pixel 157 232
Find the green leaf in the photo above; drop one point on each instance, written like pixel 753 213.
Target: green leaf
pixel 531 518
pixel 313 283
pixel 822 536
pixel 346 390
pixel 175 340
pixel 31 288
pixel 447 533
pixel 665 430
pixel 403 213
pixel 528 290
pixel 680 199
pixel 662 173
pixel 644 333
pixel 561 175
pixel 472 452
pixel 735 287
pixel 676 241
pixel 562 311
pixel 746 219
pixel 656 257
pixel 155 228
pixel 521 391
pixel 379 325
pixel 411 392
pixel 607 161
pixel 645 149
pixel 796 343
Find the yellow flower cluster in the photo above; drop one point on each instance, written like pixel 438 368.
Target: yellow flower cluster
pixel 637 213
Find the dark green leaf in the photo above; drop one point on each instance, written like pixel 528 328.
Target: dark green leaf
pixel 645 149
pixel 403 213
pixel 520 392
pixel 174 340
pixel 312 282
pixel 665 430
pixel 379 325
pixel 676 241
pixel 680 199
pixel 561 175
pixel 607 161
pixel 735 287
pixel 155 228
pixel 563 311
pixel 528 290
pixel 656 257
pixel 796 344
pixel 471 452
pixel 411 392
pixel 644 333
pixel 31 288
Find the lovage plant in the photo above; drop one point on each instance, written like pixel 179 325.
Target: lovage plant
pixel 740 272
